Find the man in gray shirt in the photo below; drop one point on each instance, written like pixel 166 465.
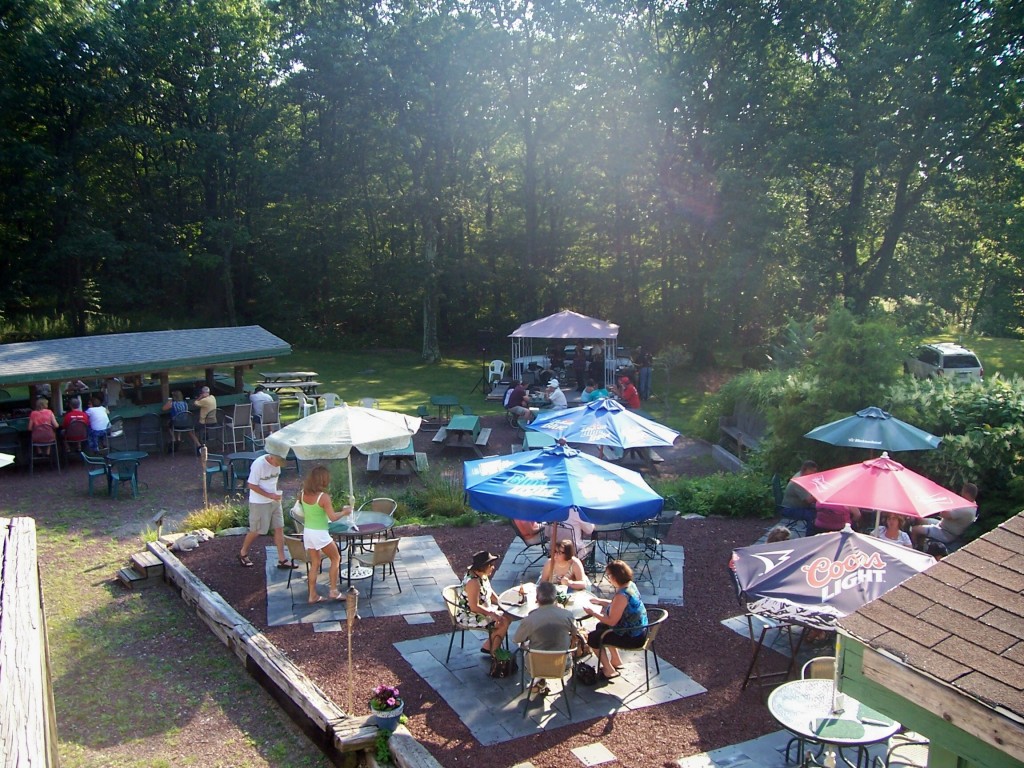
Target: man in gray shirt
pixel 548 627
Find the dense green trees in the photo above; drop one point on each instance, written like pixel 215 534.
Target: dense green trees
pixel 408 173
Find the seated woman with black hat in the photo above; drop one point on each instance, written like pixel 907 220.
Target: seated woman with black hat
pixel 478 602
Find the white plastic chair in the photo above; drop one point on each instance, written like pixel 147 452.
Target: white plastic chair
pixel 331 400
pixel 368 402
pixel 496 372
pixel 306 406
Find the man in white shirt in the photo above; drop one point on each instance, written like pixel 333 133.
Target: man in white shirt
pixel 265 511
pixel 556 396
pixel 951 525
pixel 259 398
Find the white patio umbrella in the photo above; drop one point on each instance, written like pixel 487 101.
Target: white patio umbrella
pixel 6 459
pixel 332 434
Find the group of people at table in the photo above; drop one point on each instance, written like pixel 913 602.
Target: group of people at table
pixel 44 427
pixel 550 627
pixel 931 537
pixel 517 398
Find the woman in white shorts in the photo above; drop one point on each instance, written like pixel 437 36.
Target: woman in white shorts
pixel 318 513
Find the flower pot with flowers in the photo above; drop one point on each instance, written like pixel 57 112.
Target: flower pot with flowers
pixel 387 706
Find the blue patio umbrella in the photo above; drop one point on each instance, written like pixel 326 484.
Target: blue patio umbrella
pixel 544 485
pixel 603 422
pixel 876 430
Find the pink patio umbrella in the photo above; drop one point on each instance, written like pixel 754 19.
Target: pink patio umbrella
pixel 883 485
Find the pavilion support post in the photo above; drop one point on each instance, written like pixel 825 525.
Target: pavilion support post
pixel 209 378
pixel 165 385
pixel 239 378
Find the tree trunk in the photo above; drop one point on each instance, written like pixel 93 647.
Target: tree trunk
pixel 431 347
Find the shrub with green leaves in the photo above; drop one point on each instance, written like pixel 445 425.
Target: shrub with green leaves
pixel 724 495
pixel 217 517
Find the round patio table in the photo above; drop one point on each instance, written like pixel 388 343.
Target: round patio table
pixel 578 601
pixel 805 708
pixel 355 530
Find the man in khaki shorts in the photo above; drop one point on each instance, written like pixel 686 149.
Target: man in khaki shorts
pixel 265 511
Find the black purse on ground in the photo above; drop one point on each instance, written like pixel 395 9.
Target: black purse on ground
pixel 503 667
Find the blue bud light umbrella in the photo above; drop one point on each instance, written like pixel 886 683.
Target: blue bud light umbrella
pixel 876 430
pixel 603 422
pixel 544 485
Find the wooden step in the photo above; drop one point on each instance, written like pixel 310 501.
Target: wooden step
pixel 147 565
pixel 132 579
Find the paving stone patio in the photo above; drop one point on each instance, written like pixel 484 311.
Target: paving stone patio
pixel 422 571
pixel 495 709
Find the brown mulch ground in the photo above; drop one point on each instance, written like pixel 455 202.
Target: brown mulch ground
pixel 693 640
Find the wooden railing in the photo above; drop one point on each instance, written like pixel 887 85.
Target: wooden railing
pixel 28 725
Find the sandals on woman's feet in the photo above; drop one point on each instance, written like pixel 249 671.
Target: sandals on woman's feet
pixel 244 560
pixel 285 565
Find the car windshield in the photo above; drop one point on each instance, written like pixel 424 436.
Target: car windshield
pixel 961 361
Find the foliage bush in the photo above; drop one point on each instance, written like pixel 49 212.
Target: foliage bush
pixel 745 494
pixel 218 516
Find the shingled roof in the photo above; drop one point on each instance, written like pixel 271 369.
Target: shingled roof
pixel 960 622
pixel 33 362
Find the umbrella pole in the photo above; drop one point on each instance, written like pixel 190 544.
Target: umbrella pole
pixel 351 494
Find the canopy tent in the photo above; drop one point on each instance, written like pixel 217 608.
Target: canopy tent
pixel 566 325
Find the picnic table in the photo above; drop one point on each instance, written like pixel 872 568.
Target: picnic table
pixel 534 440
pixel 273 376
pixel 307 386
pixel 444 404
pixel 464 432
pixel 405 456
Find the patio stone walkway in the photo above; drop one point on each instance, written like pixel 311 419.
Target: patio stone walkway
pixel 422 571
pixel 493 709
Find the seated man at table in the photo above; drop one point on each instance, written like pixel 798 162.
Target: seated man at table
pixel 518 401
pixel 628 393
pixel 207 404
pixel 548 627
pixel 553 392
pixel 530 532
pixel 259 398
pixel 593 392
pixel 952 523
pixel 797 501
pixel 75 414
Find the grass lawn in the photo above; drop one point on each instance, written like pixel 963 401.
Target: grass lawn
pixel 1002 356
pixel 401 381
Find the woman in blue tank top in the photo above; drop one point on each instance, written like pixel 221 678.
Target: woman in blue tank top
pixel 625 612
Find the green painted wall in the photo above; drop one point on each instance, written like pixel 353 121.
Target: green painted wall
pixel 950 746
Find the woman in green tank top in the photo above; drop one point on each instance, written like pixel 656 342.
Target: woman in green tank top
pixel 318 512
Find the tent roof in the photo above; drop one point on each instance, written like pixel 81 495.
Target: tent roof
pixel 110 355
pixel 566 325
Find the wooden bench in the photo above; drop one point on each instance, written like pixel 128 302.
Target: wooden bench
pixel 483 437
pixel 441 436
pixel 373 462
pixel 745 427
